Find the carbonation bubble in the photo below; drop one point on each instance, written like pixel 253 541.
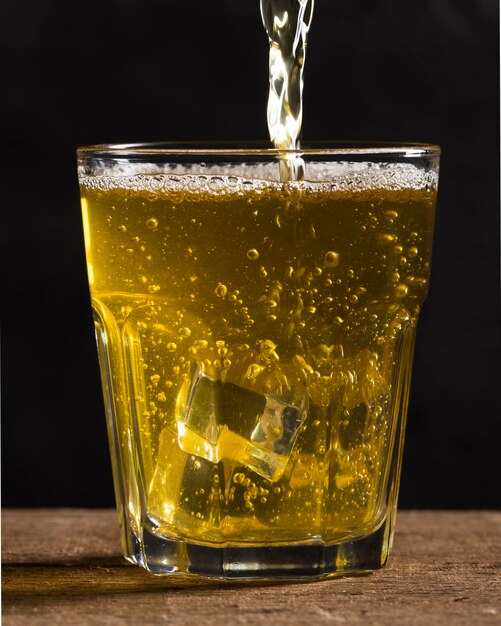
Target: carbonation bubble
pixel 390 215
pixel 401 290
pixel 171 347
pixel 412 252
pixel 331 259
pixel 221 290
pixel 253 254
pixel 122 228
pixel 184 332
pixel 262 272
pixel 152 223
pixel 239 478
pixel 153 288
pixel 386 238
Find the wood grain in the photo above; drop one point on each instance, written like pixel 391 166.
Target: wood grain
pixel 65 567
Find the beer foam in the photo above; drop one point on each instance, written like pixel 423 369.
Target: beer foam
pixel 243 178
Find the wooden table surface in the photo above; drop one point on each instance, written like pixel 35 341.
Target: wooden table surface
pixel 65 567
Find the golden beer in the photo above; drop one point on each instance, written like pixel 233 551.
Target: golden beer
pixel 255 341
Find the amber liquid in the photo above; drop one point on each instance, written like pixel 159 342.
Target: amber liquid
pixel 252 337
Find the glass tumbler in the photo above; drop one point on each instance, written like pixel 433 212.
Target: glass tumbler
pixel 255 339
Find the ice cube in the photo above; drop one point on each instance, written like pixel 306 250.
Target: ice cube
pixel 200 412
pixel 250 413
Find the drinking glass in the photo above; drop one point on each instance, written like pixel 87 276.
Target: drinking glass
pixel 255 340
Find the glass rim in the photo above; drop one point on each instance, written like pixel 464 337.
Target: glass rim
pixel 256 149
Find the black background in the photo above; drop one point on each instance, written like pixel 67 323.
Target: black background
pixel 76 73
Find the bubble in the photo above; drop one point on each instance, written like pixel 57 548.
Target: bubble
pixel 311 309
pixel 390 215
pixel 338 320
pixel 262 272
pixel 239 478
pixel 386 238
pixel 327 282
pixel 161 397
pixel 154 379
pixel 153 288
pixel 331 259
pixel 317 271
pixel 252 254
pixel 171 347
pixel 267 348
pixel 353 299
pixel 221 290
pixel 122 228
pixel 270 303
pixel 412 252
pixel 401 290
pixel 350 273
pixel 152 223
pixel 184 332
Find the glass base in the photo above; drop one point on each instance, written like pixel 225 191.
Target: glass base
pixel 304 561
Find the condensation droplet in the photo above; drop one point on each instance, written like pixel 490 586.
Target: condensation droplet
pixel 252 254
pixel 331 259
pixel 152 223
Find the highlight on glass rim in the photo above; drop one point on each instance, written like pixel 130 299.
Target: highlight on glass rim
pixel 255 313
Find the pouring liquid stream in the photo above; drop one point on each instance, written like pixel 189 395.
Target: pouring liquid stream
pixel 287 23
